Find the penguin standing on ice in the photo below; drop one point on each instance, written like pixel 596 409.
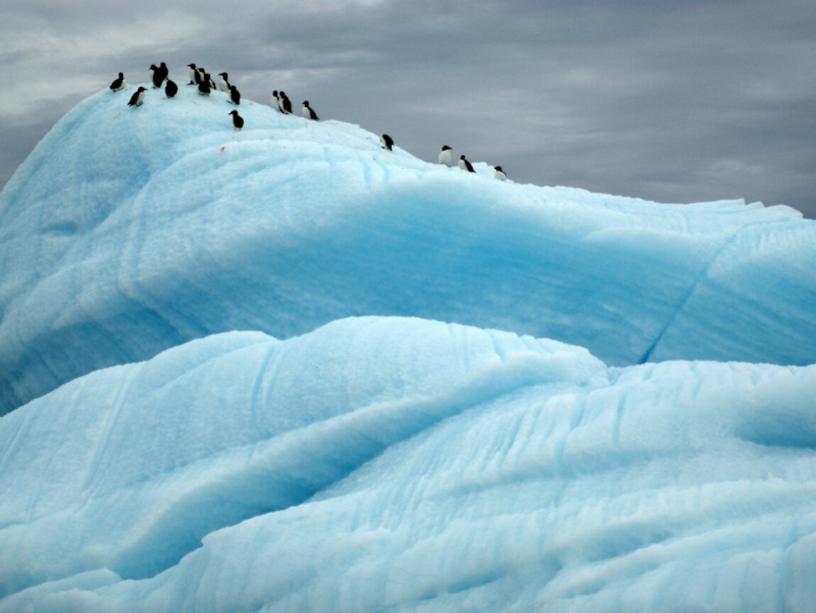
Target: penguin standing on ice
pixel 204 87
pixel 138 97
pixel 308 112
pixel 165 71
pixel 204 77
pixel 387 142
pixel 158 77
pixel 445 155
pixel 286 104
pixel 193 74
pixel 500 174
pixel 170 89
pixel 237 120
pixel 275 101
pixel 223 83
pixel 118 83
pixel 464 164
pixel 235 95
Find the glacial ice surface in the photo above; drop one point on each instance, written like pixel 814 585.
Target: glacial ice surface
pixel 229 383
pixel 405 464
pixel 129 231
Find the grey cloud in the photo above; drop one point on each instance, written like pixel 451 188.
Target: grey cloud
pixel 674 101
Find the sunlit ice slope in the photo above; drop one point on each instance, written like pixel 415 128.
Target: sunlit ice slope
pixel 404 464
pixel 128 231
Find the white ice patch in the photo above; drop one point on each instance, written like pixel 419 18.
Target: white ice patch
pixel 388 463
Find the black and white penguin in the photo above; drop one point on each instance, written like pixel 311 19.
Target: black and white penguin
pixel 464 164
pixel 235 95
pixel 445 155
pixel 193 74
pixel 223 82
pixel 500 174
pixel 237 120
pixel 387 142
pixel 158 78
pixel 286 104
pixel 170 88
pixel 204 87
pixel 308 112
pixel 138 97
pixel 274 101
pixel 118 83
pixel 165 71
pixel 209 78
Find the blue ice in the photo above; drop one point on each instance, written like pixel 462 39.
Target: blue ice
pixel 127 232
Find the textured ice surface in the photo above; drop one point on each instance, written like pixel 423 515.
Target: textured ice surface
pixel 128 231
pixel 403 464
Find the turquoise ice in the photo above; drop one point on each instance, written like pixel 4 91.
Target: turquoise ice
pixel 129 231
pixel 283 369
pixel 402 464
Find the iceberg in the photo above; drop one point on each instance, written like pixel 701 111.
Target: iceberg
pixel 284 369
pixel 406 464
pixel 130 231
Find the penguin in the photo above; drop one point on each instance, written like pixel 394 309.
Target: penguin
pixel 387 142
pixel 445 155
pixel 118 83
pixel 275 101
pixel 286 104
pixel 224 84
pixel 500 174
pixel 138 97
pixel 164 70
pixel 237 120
pixel 170 88
pixel 465 165
pixel 213 86
pixel 158 79
pixel 308 112
pixel 193 74
pixel 204 87
pixel 235 95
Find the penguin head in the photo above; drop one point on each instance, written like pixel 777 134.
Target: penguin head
pixel 445 148
pixel 141 89
pixel 462 157
pixel 498 168
pixel 121 75
pixel 200 69
pixel 305 103
pixel 223 74
pixel 163 65
pixel 192 66
pixel 232 113
pixel 275 94
pixel 153 67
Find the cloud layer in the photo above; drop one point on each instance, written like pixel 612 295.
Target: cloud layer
pixel 673 101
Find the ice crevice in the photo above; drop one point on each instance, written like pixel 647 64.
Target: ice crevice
pixel 681 304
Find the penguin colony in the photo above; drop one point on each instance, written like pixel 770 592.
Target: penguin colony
pixel 204 84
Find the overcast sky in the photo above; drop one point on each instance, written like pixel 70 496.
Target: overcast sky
pixel 675 101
